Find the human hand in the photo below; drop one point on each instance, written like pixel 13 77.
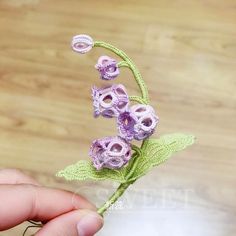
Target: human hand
pixel 64 213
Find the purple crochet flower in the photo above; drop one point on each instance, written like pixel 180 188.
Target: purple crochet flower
pixel 82 43
pixel 107 67
pixel 110 101
pixel 137 123
pixel 110 152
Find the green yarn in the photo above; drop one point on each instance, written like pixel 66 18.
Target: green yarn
pixel 152 153
pixel 122 64
pixel 116 195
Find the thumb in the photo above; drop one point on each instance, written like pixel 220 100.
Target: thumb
pixel 74 223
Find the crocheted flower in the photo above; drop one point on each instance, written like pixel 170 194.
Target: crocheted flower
pixel 110 101
pixel 107 67
pixel 137 123
pixel 110 152
pixel 82 43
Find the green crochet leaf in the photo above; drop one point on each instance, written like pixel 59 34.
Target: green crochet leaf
pixel 83 170
pixel 156 151
pixel 152 153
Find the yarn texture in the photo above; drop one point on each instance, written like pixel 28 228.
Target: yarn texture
pixel 116 158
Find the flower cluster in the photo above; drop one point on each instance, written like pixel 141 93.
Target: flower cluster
pixel 133 122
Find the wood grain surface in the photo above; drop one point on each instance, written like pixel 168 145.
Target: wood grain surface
pixel 186 51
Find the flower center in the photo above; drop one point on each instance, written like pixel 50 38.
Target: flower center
pixel 116 147
pixel 107 99
pixel 141 109
pixel 111 69
pixel 81 45
pixel 147 122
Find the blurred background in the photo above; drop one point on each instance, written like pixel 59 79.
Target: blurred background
pixel 186 52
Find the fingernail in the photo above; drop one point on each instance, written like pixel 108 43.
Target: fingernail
pixel 89 224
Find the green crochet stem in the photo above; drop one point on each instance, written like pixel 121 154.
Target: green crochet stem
pixel 144 99
pixel 130 64
pixel 122 187
pixel 118 193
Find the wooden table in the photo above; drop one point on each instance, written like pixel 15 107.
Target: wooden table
pixel 186 51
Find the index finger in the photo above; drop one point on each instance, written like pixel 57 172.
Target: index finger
pixel 22 202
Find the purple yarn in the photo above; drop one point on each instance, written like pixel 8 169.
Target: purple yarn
pixel 82 43
pixel 107 67
pixel 110 101
pixel 126 122
pixel 110 152
pixel 137 123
